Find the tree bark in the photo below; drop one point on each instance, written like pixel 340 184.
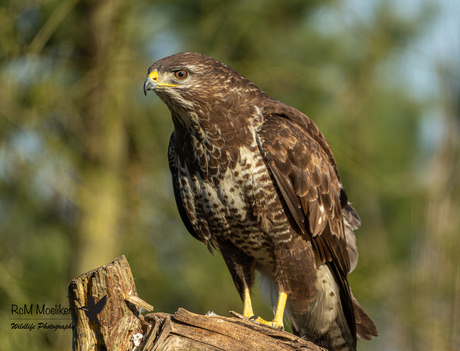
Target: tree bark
pixel 120 319
pixel 123 327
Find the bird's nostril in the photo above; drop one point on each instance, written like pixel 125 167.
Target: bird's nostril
pixel 154 75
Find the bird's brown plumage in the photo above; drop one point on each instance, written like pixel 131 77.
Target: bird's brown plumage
pixel 256 179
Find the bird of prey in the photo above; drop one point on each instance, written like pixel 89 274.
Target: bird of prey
pixel 92 310
pixel 256 180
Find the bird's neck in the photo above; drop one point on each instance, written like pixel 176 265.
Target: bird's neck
pixel 206 135
pixel 195 131
pixel 210 145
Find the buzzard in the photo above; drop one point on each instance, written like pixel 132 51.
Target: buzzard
pixel 256 180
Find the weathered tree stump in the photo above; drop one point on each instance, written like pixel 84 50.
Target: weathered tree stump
pixel 120 319
pixel 123 328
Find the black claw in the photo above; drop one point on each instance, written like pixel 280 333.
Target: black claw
pixel 253 318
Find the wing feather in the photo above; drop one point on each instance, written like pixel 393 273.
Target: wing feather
pixel 306 176
pixel 291 199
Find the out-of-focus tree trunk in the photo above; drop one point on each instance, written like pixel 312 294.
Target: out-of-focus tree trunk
pixel 100 192
pixel 437 272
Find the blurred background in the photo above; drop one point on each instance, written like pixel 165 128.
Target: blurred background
pixel 83 153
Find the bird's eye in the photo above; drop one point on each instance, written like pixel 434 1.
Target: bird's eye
pixel 182 74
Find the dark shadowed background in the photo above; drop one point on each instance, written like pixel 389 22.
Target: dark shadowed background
pixel 83 154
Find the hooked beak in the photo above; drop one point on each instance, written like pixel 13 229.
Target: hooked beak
pixel 151 83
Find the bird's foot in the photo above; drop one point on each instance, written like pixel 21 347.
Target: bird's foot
pixel 275 323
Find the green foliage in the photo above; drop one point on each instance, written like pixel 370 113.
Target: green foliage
pixel 83 166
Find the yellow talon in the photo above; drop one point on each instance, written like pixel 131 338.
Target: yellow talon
pixel 273 323
pixel 277 322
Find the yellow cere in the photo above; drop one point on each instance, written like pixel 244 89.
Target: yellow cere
pixel 154 76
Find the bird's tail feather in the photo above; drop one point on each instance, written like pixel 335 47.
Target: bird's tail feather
pixel 335 337
pixel 321 321
pixel 365 327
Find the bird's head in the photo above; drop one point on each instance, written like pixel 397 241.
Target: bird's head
pixel 189 80
pixel 84 308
